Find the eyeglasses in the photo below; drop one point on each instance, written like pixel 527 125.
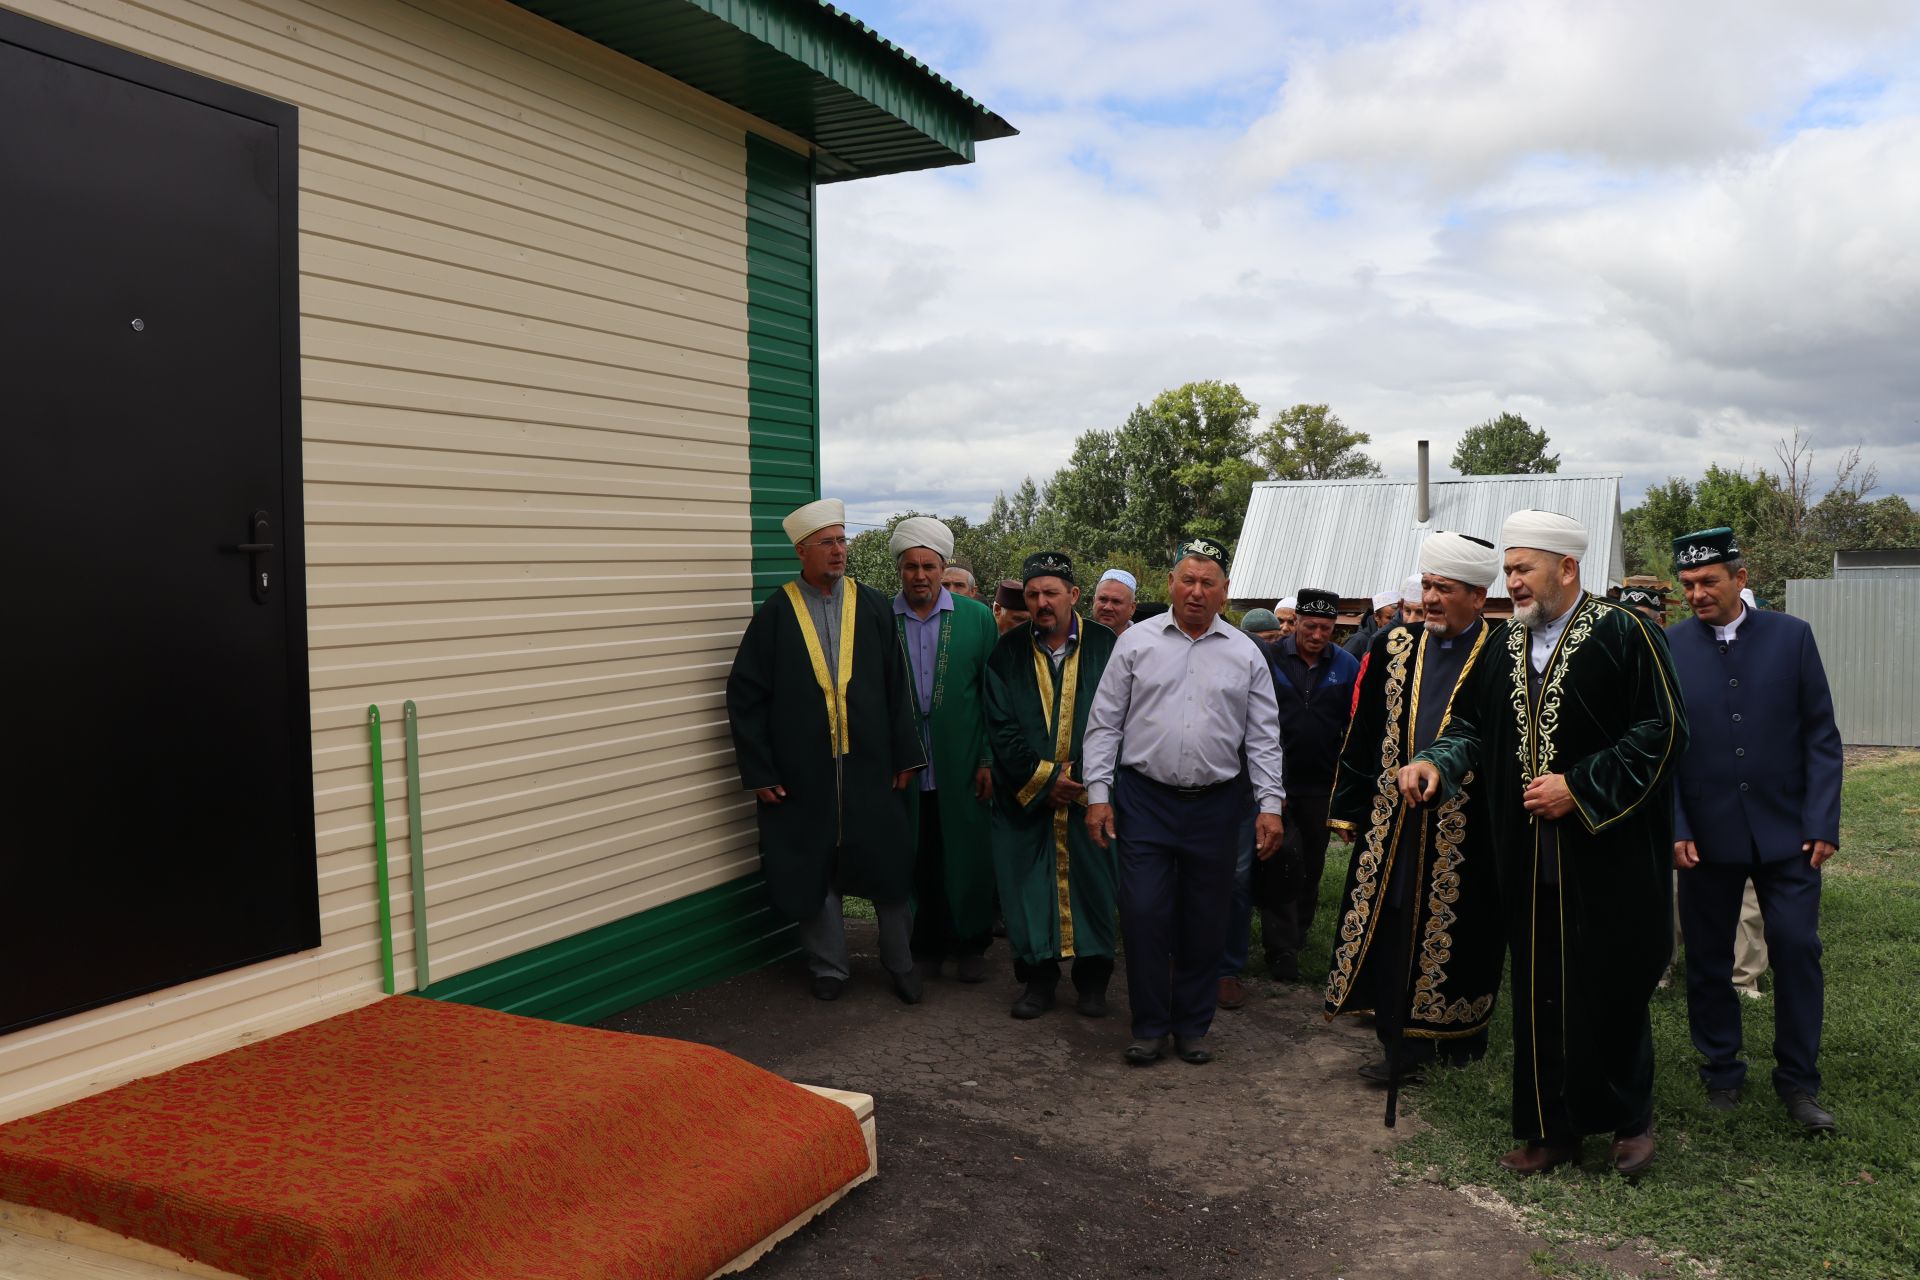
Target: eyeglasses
pixel 828 542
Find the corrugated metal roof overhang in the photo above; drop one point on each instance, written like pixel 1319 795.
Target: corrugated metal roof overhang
pixel 807 67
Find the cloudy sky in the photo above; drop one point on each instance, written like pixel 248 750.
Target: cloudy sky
pixel 1667 233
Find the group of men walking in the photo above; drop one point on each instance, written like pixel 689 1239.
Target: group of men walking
pixel 1507 789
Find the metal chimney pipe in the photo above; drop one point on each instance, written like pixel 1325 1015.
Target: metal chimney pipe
pixel 1426 508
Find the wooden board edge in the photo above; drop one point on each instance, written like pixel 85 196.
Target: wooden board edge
pixel 56 1231
pixel 860 1104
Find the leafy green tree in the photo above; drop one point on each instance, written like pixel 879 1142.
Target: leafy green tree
pixel 1504 446
pixel 1307 442
pixel 1184 458
pixel 1649 529
pixel 1088 494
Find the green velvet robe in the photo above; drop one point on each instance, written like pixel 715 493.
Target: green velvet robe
pixel 841 825
pixel 1609 720
pixel 1450 964
pixel 1058 889
pixel 957 727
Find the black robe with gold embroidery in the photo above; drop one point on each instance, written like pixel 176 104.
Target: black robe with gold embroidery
pixel 842 824
pixel 1587 898
pixel 1436 860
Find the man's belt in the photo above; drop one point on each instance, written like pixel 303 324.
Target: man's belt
pixel 1185 793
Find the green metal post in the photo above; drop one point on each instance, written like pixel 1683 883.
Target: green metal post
pixel 380 849
pixel 417 851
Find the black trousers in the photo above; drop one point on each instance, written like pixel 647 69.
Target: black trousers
pixel 934 938
pixel 1176 856
pixel 1284 930
pixel 1389 972
pixel 1789 893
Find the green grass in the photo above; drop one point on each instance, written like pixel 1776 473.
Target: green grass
pixel 1745 1193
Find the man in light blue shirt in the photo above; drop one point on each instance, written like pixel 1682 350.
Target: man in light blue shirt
pixel 1182 741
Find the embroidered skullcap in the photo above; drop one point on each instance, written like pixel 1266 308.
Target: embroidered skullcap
pixel 921 531
pixel 1122 577
pixel 1047 564
pixel 1470 560
pixel 1644 598
pixel 1206 548
pixel 1288 603
pixel 1317 603
pixel 1009 595
pixel 1704 547
pixel 1259 620
pixel 1385 600
pixel 812 518
pixel 1545 531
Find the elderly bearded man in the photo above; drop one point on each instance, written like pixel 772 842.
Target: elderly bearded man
pixel 1113 600
pixel 947 638
pixel 1757 810
pixel 1574 745
pixel 1288 612
pixel 1420 942
pixel 1182 744
pixel 824 733
pixel 1056 884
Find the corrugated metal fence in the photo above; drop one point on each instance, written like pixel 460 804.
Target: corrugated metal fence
pixel 1869 636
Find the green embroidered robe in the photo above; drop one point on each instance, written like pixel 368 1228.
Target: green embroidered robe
pixel 1609 719
pixel 956 727
pixel 841 824
pixel 1058 889
pixel 1450 962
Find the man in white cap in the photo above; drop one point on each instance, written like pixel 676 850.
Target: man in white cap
pixel 1574 749
pixel 1386 612
pixel 824 734
pixel 947 637
pixel 1288 611
pixel 1412 593
pixel 1420 941
pixel 1113 600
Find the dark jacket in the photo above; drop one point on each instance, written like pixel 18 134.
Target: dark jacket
pixel 1763 768
pixel 1313 720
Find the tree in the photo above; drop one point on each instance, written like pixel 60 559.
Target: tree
pixel 1184 463
pixel 1307 442
pixel 1504 446
pixel 1648 530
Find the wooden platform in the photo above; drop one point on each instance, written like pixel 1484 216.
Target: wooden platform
pixel 36 1245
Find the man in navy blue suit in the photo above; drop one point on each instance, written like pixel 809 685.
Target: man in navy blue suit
pixel 1758 798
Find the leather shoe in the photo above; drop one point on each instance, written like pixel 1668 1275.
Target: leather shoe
pixel 828 988
pixel 1232 994
pixel 1092 1004
pixel 970 968
pixel 1631 1156
pixel 1193 1049
pixel 1284 966
pixel 1724 1099
pixel 1034 1001
pixel 1378 1073
pixel 1807 1113
pixel 907 987
pixel 1538 1157
pixel 1144 1053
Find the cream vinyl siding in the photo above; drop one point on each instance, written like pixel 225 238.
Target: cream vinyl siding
pixel 524 380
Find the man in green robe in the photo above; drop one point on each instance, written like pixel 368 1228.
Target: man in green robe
pixel 1575 746
pixel 1419 942
pixel 824 734
pixel 947 637
pixel 1057 887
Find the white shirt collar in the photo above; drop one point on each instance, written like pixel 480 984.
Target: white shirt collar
pixel 1725 634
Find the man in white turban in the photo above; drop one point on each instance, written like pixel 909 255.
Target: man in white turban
pixel 1385 612
pixel 947 638
pixel 825 738
pixel 1420 943
pixel 1113 600
pixel 1288 611
pixel 1573 747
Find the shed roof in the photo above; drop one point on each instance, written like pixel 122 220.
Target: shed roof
pixel 814 70
pixel 1357 537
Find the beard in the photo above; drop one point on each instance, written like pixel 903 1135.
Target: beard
pixel 1544 609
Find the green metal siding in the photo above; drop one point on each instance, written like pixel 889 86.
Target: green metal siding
pixel 804 66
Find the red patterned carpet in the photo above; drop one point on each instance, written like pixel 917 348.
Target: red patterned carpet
pixel 425 1141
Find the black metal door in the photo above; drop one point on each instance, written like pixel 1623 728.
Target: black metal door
pixel 158 817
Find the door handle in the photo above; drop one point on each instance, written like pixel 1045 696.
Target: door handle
pixel 261 569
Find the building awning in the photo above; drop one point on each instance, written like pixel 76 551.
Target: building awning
pixel 865 103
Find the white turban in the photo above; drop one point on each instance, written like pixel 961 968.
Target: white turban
pixel 812 518
pixel 1288 603
pixel 1122 577
pixel 1410 589
pixel 1463 559
pixel 1545 531
pixel 1746 598
pixel 921 531
pixel 1385 600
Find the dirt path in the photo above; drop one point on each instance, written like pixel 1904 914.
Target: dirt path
pixel 1017 1149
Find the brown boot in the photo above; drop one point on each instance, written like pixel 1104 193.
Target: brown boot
pixel 1232 994
pixel 1538 1157
pixel 1631 1156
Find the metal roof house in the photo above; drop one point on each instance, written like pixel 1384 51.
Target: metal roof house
pixel 1357 537
pixel 453 360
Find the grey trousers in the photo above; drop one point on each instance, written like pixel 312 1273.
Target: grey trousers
pixel 824 938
